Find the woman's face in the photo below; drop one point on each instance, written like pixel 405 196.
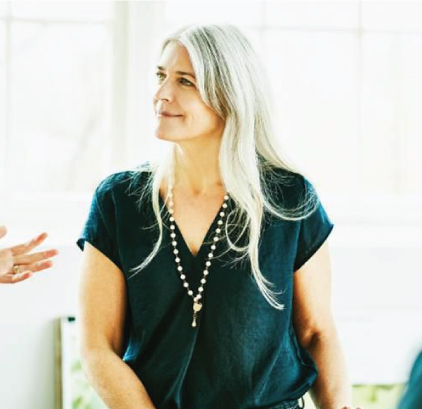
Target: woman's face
pixel 176 93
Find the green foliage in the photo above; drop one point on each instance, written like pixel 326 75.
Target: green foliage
pixel 371 396
pixel 378 396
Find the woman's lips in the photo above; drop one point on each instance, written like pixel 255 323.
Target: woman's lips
pixel 168 116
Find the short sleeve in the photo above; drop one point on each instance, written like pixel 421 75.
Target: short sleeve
pixel 313 230
pixel 100 229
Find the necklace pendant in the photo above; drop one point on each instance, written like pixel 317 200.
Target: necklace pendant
pixel 196 308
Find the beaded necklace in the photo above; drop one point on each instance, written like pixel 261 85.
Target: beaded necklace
pixel 197 305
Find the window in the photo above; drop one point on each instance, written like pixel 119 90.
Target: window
pixel 75 104
pixel 57 95
pixel 56 64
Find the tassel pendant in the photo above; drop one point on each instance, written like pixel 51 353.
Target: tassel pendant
pixel 196 308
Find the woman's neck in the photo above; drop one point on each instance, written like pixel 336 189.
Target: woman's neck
pixel 197 171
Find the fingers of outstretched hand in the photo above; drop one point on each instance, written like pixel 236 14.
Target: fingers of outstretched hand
pixel 42 265
pixel 16 278
pixel 11 278
pixel 29 270
pixel 28 246
pixel 36 257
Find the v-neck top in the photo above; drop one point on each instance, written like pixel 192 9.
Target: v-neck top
pixel 243 353
pixel 179 235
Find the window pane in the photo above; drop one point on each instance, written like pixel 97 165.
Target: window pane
pixel 3 8
pixel 63 10
pixel 314 79
pixel 380 103
pixel 410 115
pixel 197 12
pixel 391 101
pixel 59 102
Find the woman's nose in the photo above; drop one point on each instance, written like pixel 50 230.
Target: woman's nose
pixel 165 91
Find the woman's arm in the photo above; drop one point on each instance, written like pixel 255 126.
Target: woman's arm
pixel 316 331
pixel 102 310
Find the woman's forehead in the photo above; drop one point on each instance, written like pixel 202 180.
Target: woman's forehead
pixel 175 58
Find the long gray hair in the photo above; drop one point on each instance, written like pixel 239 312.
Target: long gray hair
pixel 232 82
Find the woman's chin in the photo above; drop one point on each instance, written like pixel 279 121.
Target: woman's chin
pixel 163 136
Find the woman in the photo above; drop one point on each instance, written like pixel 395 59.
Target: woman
pixel 170 318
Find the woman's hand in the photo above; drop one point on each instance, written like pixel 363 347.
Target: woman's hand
pixel 17 265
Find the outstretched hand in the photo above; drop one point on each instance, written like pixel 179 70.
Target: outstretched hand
pixel 17 264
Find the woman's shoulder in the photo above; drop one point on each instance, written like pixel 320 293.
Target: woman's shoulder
pixel 292 190
pixel 124 182
pixel 286 181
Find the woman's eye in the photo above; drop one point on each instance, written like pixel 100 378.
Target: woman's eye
pixel 185 81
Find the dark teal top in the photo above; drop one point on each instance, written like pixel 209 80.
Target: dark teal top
pixel 243 353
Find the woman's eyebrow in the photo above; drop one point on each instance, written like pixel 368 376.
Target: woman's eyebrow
pixel 178 72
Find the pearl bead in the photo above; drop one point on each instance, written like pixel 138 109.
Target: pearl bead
pixel 220 222
pixel 222 214
pixel 174 243
pixel 172 227
pixel 185 285
pixel 208 263
pixel 175 251
pixel 216 238
pixel 226 197
pixel 213 247
pixel 180 268
pixel 224 205
pixel 172 219
pixel 218 231
pixel 210 255
pixel 206 272
pixel 190 292
pixel 199 296
pixel 171 211
pixel 177 260
pixel 172 235
pixel 200 289
pixel 203 281
pixel 182 276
